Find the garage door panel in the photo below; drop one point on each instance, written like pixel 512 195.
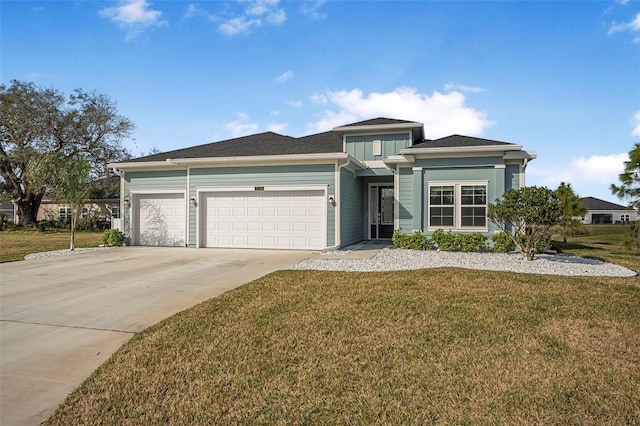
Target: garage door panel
pixel 278 219
pixel 161 219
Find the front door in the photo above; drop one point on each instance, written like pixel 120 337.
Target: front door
pixel 381 211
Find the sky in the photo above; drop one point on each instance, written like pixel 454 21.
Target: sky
pixel 561 78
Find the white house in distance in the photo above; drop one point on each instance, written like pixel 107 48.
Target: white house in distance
pixel 600 211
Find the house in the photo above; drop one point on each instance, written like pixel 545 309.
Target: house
pixel 356 182
pixel 600 211
pixel 103 204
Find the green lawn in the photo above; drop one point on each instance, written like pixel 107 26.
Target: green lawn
pixel 15 245
pixel 447 346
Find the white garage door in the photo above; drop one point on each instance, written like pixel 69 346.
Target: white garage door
pixel 161 220
pixel 264 219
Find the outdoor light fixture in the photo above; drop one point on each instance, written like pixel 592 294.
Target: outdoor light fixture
pixel 332 199
pixel 193 201
pixel 127 203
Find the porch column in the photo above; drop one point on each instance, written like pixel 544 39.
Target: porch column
pixel 418 200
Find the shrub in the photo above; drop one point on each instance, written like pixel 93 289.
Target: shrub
pixel 113 237
pixel 502 242
pixel 415 241
pixel 473 242
pixel 447 241
pixel 4 220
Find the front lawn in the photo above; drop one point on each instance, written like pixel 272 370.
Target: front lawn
pixel 447 346
pixel 15 245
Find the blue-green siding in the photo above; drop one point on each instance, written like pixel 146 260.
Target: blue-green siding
pixel 351 209
pixel 512 178
pixel 406 200
pixel 361 147
pixel 227 177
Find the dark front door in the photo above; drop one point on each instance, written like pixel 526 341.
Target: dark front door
pixel 381 208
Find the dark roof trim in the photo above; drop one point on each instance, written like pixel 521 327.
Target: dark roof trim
pixel 593 203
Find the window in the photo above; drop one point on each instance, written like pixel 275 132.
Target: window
pixel 377 147
pixel 625 218
pixel 458 205
pixel 85 212
pixel 64 212
pixel 115 212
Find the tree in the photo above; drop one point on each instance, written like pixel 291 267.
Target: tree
pixel 71 186
pixel 571 205
pixel 526 215
pixel 630 186
pixel 37 123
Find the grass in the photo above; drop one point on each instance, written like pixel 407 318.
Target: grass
pixel 15 245
pixel 447 346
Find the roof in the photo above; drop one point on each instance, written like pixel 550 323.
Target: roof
pixel 379 122
pixel 593 203
pixel 267 143
pixel 455 141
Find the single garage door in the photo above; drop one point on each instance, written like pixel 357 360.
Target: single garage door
pixel 264 219
pixel 161 220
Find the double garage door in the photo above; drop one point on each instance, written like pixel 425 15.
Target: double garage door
pixel 237 219
pixel 264 219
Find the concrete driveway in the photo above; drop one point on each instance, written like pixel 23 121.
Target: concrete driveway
pixel 63 317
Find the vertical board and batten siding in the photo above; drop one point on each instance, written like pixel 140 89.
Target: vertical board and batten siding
pixel 351 208
pixel 405 199
pixel 149 181
pixel 294 175
pixel 361 147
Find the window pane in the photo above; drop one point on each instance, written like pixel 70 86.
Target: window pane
pixel 441 216
pixel 474 217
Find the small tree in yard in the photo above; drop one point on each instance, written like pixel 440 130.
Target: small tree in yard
pixel 71 186
pixel 526 215
pixel 630 186
pixel 572 207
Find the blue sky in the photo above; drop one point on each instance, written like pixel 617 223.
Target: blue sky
pixel 560 78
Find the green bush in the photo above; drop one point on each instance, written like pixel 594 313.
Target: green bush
pixel 502 243
pixel 112 237
pixel 415 241
pixel 473 242
pixel 447 241
pixel 4 220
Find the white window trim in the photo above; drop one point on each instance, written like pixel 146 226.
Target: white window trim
pixel 457 205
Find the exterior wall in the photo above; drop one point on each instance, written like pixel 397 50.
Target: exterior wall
pixel 413 197
pixel 361 147
pixel 296 175
pixel 616 215
pixel 99 209
pixel 406 201
pixel 352 208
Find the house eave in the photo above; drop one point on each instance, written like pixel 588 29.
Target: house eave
pixel 181 163
pixel 498 149
pixel 378 127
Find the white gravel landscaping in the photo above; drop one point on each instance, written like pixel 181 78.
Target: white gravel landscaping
pixel 394 259
pixel 66 252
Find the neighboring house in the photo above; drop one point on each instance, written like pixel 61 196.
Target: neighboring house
pixel 9 209
pixel 357 182
pixel 600 211
pixel 103 205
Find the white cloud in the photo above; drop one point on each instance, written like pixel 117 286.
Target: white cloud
pixel 636 128
pixel 277 127
pixel 442 114
pixel 134 15
pixel 450 87
pixel 256 14
pixel 284 76
pixel 312 9
pixel 295 104
pixel 584 173
pixel 633 27
pixel 622 2
pixel 242 126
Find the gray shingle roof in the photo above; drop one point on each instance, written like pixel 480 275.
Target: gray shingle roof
pixel 593 203
pixel 455 141
pixel 267 143
pixel 378 121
